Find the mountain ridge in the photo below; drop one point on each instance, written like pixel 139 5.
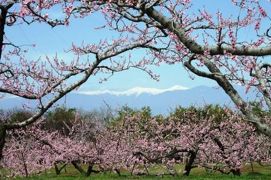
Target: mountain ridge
pixel 160 103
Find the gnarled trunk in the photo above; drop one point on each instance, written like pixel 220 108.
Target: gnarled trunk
pixel 81 170
pixel 58 170
pixel 189 165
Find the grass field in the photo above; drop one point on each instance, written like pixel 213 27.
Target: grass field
pixel 260 172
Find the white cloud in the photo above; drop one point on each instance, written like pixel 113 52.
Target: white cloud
pixel 135 91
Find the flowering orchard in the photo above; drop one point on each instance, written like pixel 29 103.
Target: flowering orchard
pixel 207 43
pixel 135 142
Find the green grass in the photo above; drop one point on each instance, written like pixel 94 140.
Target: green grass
pixel 114 176
pixel 260 172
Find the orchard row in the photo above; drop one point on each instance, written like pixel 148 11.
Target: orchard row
pixel 212 137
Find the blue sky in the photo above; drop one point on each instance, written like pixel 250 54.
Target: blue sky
pixel 50 41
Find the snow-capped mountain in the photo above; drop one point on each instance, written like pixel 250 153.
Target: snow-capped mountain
pixel 135 91
pixel 161 101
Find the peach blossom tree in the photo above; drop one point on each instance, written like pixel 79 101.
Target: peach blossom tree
pixel 47 80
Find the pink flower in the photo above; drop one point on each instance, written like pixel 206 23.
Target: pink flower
pixel 262 11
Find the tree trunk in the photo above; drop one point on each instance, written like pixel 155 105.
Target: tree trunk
pixel 81 170
pixel 189 165
pixel 3 18
pixel 3 132
pixel 236 172
pixel 118 172
pixel 58 170
pixel 251 165
pixel 90 170
pixel 2 27
pixel 24 165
